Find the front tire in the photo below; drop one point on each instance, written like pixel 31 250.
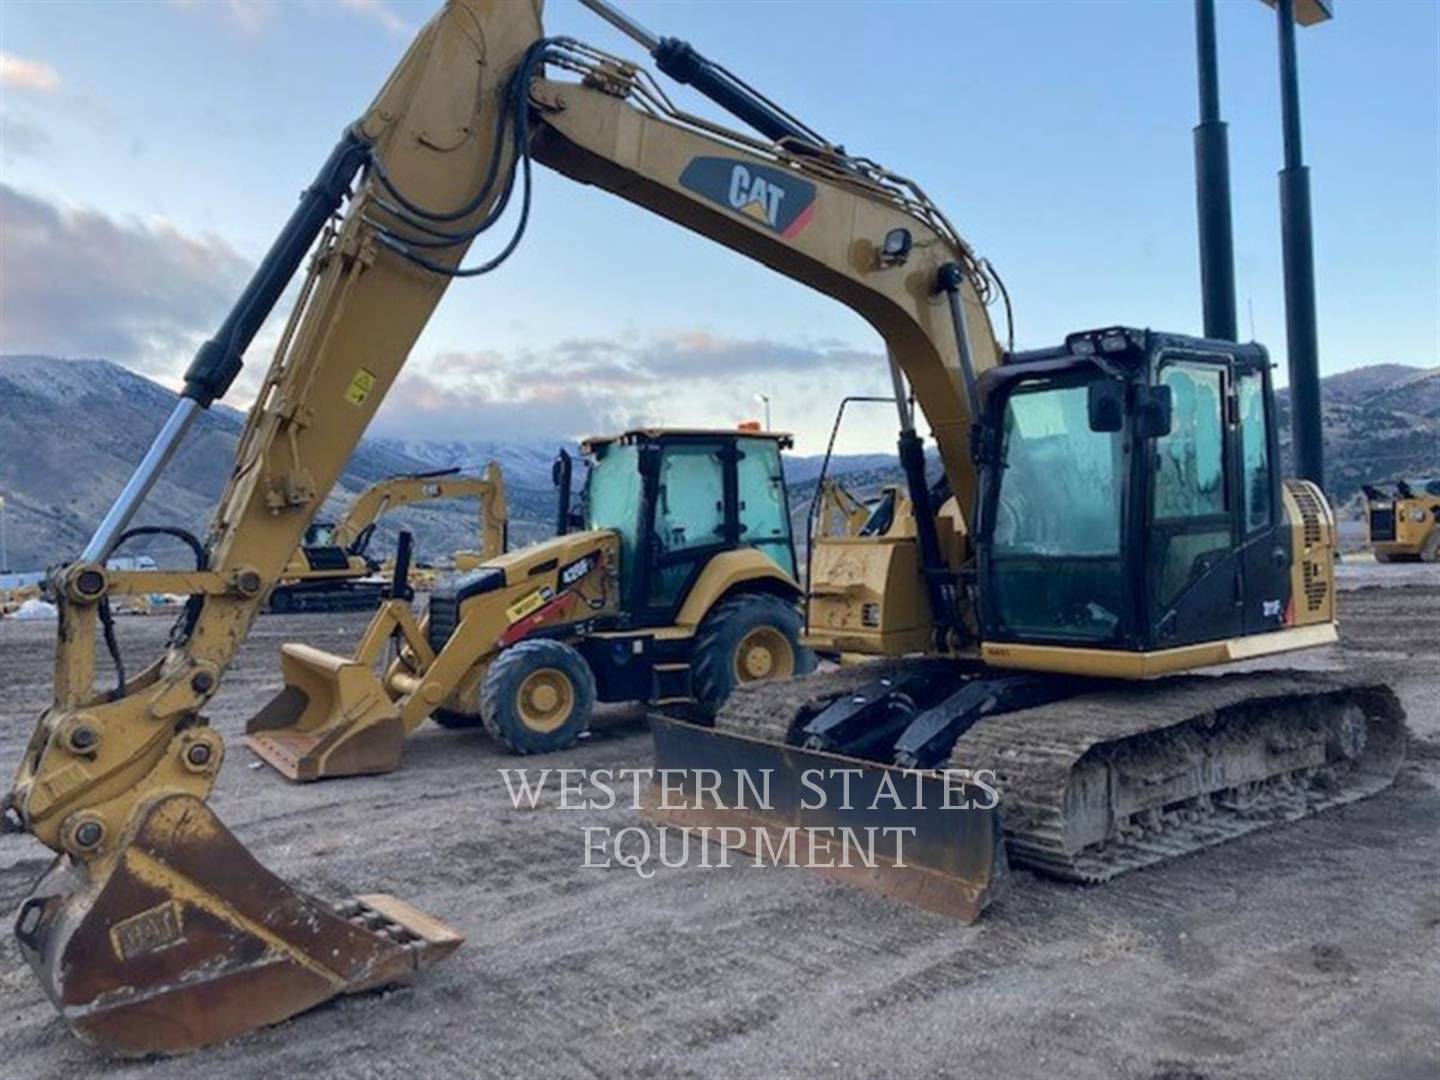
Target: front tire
pixel 537 697
pixel 753 637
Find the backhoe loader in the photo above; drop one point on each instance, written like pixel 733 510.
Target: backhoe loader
pixel 1113 512
pixel 678 586
pixel 329 568
pixel 1403 524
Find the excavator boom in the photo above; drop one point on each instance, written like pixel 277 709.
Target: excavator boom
pixel 153 911
pixel 326 571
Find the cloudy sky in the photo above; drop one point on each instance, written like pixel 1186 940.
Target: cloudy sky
pixel 149 151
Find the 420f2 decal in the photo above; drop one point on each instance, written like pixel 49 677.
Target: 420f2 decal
pixel 778 199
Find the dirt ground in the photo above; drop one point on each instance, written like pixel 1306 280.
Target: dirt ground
pixel 1309 951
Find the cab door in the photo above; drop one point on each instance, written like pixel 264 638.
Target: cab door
pixel 1265 554
pixel 694 519
pixel 1194 581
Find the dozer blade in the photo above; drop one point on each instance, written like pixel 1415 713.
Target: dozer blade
pixel 332 718
pixel 894 831
pixel 186 941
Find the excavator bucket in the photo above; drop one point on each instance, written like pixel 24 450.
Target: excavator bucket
pixel 908 834
pixel 184 940
pixel 332 718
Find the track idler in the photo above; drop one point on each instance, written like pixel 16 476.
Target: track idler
pixel 183 940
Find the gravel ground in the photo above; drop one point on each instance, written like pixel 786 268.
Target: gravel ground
pixel 1309 951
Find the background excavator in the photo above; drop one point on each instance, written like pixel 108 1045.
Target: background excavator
pixel 328 570
pixel 156 931
pixel 673 584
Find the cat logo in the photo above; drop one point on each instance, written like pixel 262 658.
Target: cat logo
pixel 754 195
pixel 776 198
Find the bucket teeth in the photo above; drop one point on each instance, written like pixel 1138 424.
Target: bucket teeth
pixel 185 940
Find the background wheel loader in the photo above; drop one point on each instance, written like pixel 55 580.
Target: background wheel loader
pixel 329 568
pixel 1403 524
pixel 678 586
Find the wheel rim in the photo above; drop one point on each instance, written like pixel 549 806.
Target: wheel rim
pixel 545 700
pixel 764 653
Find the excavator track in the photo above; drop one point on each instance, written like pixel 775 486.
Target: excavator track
pixel 1133 774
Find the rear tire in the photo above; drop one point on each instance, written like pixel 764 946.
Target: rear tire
pixel 537 697
pixel 753 637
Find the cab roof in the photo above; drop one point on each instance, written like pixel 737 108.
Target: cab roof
pixel 658 434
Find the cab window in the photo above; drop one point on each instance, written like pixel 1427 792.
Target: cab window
pixel 1254 451
pixel 1190 461
pixel 1192 524
pixel 689 515
pixel 690 509
pixel 1055 531
pixel 764 523
pixel 612 497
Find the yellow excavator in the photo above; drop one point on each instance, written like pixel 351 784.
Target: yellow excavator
pixel 1109 509
pixel 1402 521
pixel 677 585
pixel 328 570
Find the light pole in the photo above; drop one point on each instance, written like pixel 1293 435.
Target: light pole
pixel 1302 345
pixel 1212 187
pixel 766 399
pixel 4 547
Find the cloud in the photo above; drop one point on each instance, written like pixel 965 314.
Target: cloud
pixel 34 75
pixel 19 138
pixel 379 12
pixel 78 282
pixel 579 387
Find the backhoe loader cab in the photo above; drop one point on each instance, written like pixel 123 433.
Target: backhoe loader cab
pixel 677 499
pixel 676 585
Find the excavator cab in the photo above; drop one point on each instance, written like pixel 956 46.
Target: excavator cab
pixel 1132 501
pixel 319 534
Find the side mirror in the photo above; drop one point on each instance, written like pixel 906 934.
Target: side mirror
pixel 1154 411
pixel 1107 405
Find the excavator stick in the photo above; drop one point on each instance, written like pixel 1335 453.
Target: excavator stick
pixel 184 940
pixel 332 718
pixel 913 835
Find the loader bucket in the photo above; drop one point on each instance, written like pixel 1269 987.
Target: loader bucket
pixel 333 718
pixel 879 827
pixel 184 940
